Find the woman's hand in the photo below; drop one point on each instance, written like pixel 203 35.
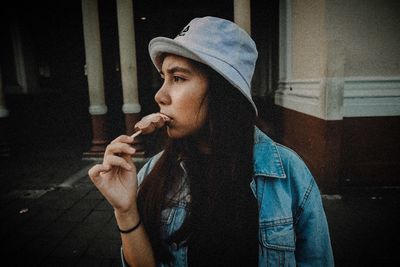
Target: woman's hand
pixel 150 123
pixel 116 177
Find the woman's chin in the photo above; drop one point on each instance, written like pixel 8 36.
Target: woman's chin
pixel 175 133
pixel 172 133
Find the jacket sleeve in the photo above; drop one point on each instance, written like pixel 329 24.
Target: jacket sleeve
pixel 313 245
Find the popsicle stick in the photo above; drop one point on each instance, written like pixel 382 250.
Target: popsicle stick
pixel 136 134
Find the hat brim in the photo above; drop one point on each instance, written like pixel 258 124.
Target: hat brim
pixel 162 45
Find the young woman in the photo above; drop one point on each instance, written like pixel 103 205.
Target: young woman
pixel 221 193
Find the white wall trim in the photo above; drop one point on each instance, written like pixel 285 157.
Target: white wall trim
pixel 362 96
pixel 301 95
pixel 371 96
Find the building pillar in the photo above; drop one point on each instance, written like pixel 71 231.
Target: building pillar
pixel 242 14
pixel 126 32
pixel 309 99
pixel 94 70
pixel 4 148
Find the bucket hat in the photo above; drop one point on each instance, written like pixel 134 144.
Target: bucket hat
pixel 218 43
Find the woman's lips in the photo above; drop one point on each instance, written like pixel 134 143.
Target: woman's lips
pixel 168 119
pixel 165 116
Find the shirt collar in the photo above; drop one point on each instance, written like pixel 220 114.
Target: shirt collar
pixel 267 159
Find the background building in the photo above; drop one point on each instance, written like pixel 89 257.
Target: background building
pixel 77 74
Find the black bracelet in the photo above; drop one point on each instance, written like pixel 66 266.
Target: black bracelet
pixel 131 229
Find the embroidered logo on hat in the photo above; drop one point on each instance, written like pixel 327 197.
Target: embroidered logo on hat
pixel 184 31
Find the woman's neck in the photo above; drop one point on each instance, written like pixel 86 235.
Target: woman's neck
pixel 202 142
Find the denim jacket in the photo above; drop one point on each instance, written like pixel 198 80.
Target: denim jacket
pixel 293 229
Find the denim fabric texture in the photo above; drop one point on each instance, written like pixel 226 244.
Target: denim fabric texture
pixel 293 229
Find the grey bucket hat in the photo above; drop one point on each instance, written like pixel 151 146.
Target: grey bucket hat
pixel 216 42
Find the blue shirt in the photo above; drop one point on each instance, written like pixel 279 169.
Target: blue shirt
pixel 293 230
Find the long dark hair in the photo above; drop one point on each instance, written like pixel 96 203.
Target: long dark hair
pixel 222 222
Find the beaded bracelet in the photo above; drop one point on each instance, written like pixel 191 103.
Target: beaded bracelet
pixel 130 229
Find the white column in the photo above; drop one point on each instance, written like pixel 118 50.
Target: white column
pixel 94 62
pixel 127 49
pixel 94 70
pixel 242 14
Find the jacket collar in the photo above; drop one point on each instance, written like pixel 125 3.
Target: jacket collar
pixel 267 159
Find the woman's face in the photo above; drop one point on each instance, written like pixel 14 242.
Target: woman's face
pixel 183 96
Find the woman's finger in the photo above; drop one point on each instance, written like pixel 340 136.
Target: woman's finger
pixel 97 169
pixel 122 139
pixel 118 148
pixel 115 161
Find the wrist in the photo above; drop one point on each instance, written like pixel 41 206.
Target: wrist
pixel 126 219
pixel 130 230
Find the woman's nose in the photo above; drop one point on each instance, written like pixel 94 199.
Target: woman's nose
pixel 162 97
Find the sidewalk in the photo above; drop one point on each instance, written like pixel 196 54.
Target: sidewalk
pixel 364 226
pixel 51 213
pixel 44 224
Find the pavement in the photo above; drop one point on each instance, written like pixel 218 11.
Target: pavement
pixel 52 215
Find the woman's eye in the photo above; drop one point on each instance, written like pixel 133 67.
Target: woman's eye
pixel 178 79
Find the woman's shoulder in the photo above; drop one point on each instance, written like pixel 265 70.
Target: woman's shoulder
pixel 275 160
pixel 283 175
pixel 269 145
pixel 290 157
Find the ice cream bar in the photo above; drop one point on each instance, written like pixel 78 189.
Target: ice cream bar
pixel 150 122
